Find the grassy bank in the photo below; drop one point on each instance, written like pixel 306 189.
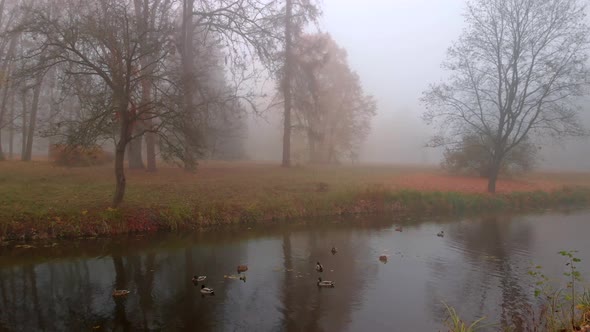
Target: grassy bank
pixel 39 200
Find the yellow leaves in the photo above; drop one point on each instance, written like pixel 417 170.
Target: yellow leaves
pixel 84 212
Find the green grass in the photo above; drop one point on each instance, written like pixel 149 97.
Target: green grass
pixel 456 324
pixel 38 199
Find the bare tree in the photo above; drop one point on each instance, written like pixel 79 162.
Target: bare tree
pixel 188 76
pixel 286 84
pixel 101 47
pixel 515 74
pixel 147 14
pixel 8 17
pixel 249 32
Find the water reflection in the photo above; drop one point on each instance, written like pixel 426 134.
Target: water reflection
pixel 479 267
pixel 305 307
pixel 494 250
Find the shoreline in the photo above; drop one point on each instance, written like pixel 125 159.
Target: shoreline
pixel 102 221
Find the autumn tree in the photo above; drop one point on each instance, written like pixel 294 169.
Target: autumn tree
pixel 332 110
pixel 104 54
pixel 297 14
pixel 515 73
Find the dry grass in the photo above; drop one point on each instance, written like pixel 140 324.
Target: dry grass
pixel 47 186
pixel 44 184
pixel 39 190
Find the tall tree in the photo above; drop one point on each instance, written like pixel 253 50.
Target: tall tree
pixel 146 12
pixel 249 33
pixel 188 78
pixel 30 131
pixel 332 110
pixel 115 57
pixel 305 12
pixel 286 84
pixel 8 17
pixel 515 74
pixel 101 48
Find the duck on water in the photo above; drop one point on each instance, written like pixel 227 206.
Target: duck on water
pixel 319 267
pixel 325 283
pixel 207 290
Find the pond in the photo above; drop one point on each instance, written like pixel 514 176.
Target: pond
pixel 479 267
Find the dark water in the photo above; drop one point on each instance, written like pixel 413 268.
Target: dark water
pixel 479 267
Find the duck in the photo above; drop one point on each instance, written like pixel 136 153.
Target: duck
pixel 319 267
pixel 399 229
pixel 120 292
pixel 325 283
pixel 198 279
pixel 242 268
pixel 206 290
pixel 440 234
pixel 334 251
pixel 383 258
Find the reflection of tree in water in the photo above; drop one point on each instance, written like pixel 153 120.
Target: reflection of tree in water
pixel 76 294
pixel 490 246
pixel 305 306
pixel 30 300
pixel 120 320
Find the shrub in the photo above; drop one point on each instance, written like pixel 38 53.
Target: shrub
pixel 79 156
pixel 472 156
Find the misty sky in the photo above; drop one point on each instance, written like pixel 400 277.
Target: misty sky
pixel 396 47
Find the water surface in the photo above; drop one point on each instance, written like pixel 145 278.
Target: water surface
pixel 479 267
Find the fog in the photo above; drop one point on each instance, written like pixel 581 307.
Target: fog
pixel 396 47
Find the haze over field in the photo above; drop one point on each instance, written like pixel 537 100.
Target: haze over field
pixel 320 165
pixel 397 48
pixel 494 87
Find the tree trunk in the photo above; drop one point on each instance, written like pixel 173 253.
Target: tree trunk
pixel 33 119
pixel 188 79
pixel 2 111
pixel 6 70
pixel 150 142
pixel 124 136
pixel 119 173
pixel 146 22
pixel 150 139
pixel 11 128
pixel 493 177
pixel 52 110
pixel 287 86
pixel 24 124
pixel 135 146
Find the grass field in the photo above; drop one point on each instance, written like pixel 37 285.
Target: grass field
pixel 39 199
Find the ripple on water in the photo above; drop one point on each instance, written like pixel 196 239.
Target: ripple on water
pixel 479 267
